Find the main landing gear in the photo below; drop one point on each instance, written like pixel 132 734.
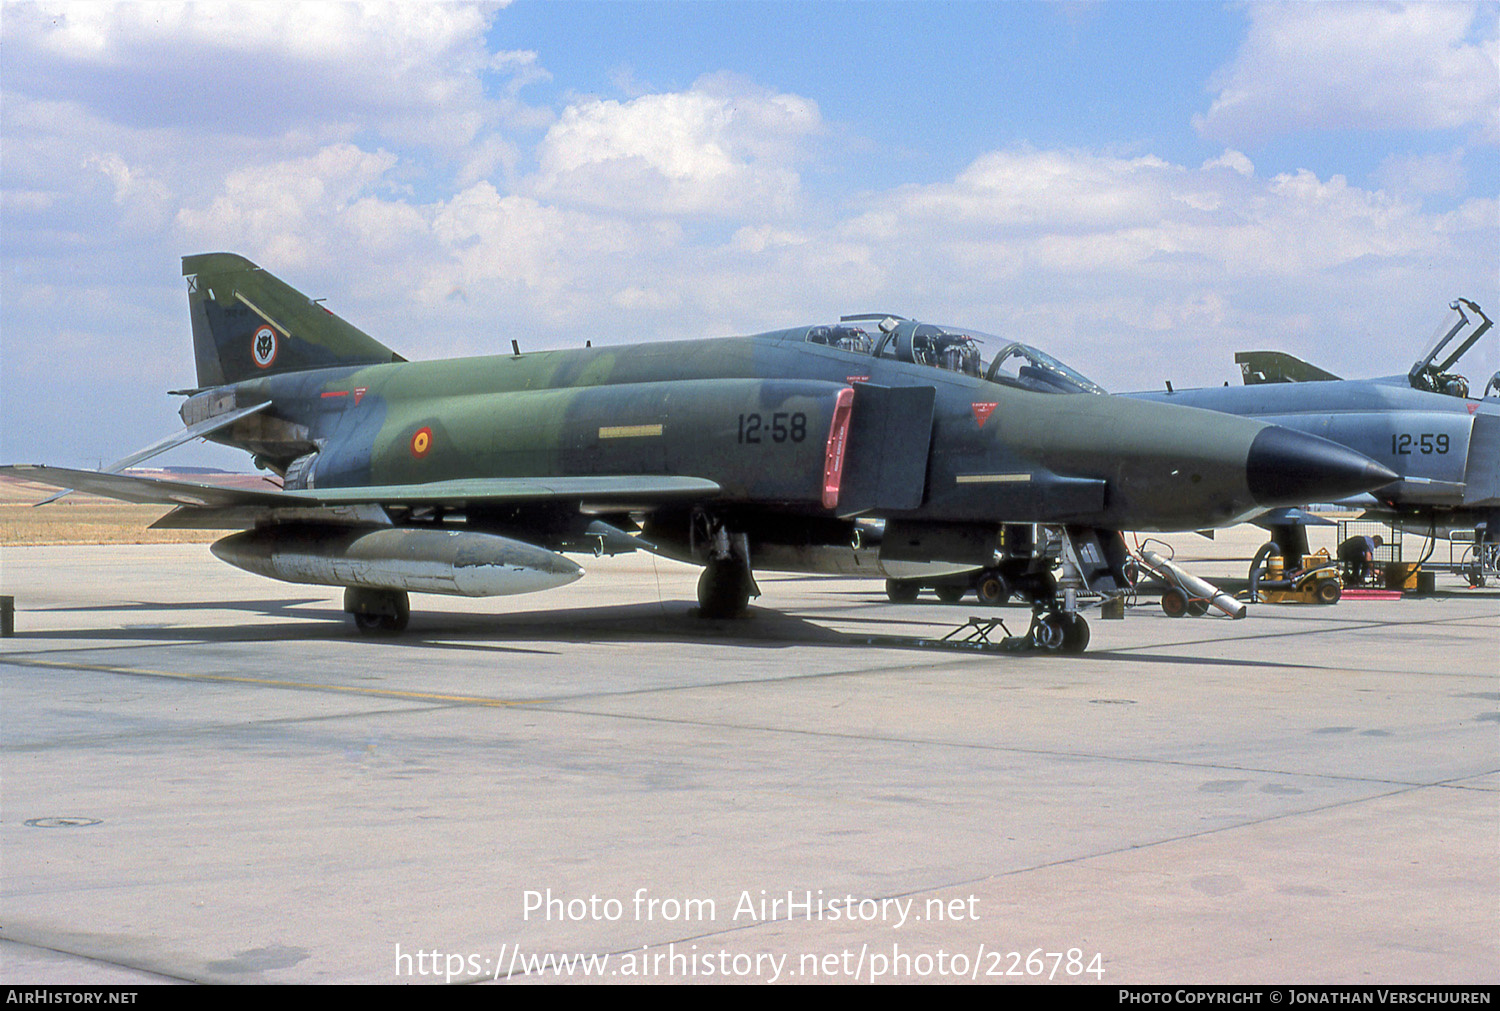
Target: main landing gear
pixel 377 612
pixel 727 584
pixel 725 588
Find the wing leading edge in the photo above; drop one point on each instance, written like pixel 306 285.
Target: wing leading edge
pixel 643 489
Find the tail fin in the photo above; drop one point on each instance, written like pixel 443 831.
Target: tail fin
pixel 247 323
pixel 1257 367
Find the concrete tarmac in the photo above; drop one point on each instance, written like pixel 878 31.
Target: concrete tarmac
pixel 211 777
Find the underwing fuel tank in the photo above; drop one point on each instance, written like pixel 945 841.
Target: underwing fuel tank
pixel 456 562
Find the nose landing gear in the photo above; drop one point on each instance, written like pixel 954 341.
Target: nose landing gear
pixel 1059 632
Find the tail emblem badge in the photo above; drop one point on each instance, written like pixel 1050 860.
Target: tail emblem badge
pixel 263 347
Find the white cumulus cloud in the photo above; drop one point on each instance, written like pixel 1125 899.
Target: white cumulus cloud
pixel 261 69
pixel 722 148
pixel 1358 66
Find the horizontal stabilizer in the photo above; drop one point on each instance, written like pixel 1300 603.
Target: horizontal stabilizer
pixel 188 434
pixel 143 490
pixel 1289 517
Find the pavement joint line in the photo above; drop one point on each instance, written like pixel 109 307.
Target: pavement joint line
pixel 6 938
pixel 473 700
pixel 1351 625
pixel 568 706
pixel 1277 665
pixel 957 657
pixel 158 733
pixel 561 707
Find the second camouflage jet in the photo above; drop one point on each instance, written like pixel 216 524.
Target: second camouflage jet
pixel 1440 439
pixel 472 476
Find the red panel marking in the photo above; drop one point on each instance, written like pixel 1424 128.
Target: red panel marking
pixel 335 393
pixel 983 410
pixel 359 392
pixel 838 444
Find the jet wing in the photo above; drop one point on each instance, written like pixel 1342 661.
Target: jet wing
pixel 644 489
pixel 633 488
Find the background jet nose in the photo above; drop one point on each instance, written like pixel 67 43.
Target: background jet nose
pixel 1285 467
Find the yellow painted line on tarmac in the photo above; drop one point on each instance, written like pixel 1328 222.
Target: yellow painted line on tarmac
pixel 472 700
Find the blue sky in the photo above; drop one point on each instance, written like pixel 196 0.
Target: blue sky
pixel 1141 188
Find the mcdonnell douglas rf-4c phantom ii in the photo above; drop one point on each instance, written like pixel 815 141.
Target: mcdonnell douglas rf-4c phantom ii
pixel 471 476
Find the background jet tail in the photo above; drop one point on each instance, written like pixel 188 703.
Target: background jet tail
pixel 247 323
pixel 1257 367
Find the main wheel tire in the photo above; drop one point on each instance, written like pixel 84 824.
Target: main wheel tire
pixel 950 594
pixel 1174 602
pixel 993 590
pixel 1328 591
pixel 901 591
pixel 380 612
pixel 723 590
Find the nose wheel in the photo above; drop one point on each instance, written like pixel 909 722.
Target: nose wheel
pixel 1059 632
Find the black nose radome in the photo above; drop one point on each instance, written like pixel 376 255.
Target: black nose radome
pixel 1285 467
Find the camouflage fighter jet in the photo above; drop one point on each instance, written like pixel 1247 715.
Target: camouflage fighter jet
pixel 1442 443
pixel 473 476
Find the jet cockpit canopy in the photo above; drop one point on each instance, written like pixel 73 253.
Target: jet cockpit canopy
pixel 1022 365
pixel 955 349
pixel 1430 375
pixel 906 340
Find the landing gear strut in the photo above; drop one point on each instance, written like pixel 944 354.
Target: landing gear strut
pixel 377 612
pixel 1092 561
pixel 727 584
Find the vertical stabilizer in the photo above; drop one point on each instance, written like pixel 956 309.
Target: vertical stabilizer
pixel 247 323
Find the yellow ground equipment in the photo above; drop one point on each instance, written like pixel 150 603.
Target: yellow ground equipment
pixel 1315 582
